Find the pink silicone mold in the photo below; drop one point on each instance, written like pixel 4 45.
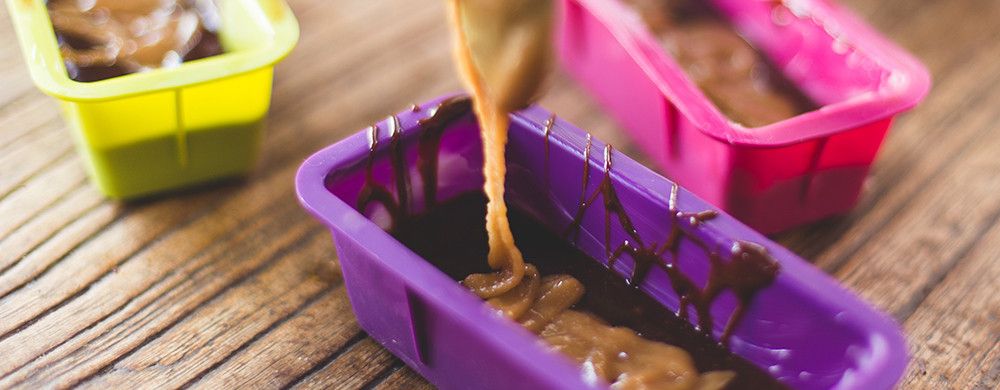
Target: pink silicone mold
pixel 773 177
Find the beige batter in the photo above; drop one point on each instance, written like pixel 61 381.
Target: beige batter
pixel 502 49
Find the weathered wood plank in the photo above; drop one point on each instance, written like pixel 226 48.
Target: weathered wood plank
pixel 241 314
pixel 31 289
pixel 23 115
pixel 43 227
pixel 385 29
pixel 178 287
pixel 32 153
pixel 954 335
pixel 290 351
pixel 403 378
pixel 184 242
pixel 354 368
pixel 39 193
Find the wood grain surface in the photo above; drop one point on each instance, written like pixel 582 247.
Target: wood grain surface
pixel 234 286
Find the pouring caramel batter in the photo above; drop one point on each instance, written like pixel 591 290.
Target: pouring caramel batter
pixel 503 50
pixel 107 38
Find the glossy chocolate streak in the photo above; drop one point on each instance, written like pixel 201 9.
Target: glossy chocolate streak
pixel 749 268
pixel 432 128
pixel 399 170
pixel 574 226
pixel 547 130
pixel 373 191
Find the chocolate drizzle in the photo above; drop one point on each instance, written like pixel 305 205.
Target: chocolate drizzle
pixel 451 237
pixel 432 128
pixel 574 226
pixel 400 173
pixel 748 270
pixel 547 131
pixel 744 271
pixel 373 191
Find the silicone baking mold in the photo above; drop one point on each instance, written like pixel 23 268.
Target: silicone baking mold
pixel 165 129
pixel 772 177
pixel 803 329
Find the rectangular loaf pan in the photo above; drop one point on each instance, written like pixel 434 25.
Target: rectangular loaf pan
pixel 803 329
pixel 772 177
pixel 165 129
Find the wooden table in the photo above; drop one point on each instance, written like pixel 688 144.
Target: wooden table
pixel 234 285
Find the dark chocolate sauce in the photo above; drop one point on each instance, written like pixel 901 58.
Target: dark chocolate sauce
pixel 399 170
pixel 432 128
pixel 547 131
pixel 748 270
pixel 583 205
pixel 452 238
pixel 373 191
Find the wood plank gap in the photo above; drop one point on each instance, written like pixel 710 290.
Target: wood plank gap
pixel 76 185
pixel 191 219
pixel 307 235
pixel 41 169
pixel 382 376
pixel 17 140
pixel 24 94
pixel 327 360
pixel 17 101
pixel 204 210
pixel 257 336
pixel 81 214
pixel 908 308
pixel 110 368
pixel 27 102
pixel 353 70
pixel 296 243
pixel 33 131
pixel 992 378
pixel 187 314
pixel 72 249
pixel 347 56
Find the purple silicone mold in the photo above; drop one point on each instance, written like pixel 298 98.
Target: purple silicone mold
pixel 804 329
